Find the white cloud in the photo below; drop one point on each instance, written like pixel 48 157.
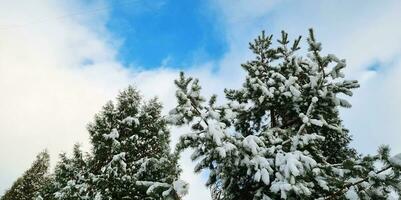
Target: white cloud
pixel 46 102
pixel 376 113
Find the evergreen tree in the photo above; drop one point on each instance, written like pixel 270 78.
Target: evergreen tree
pixel 131 153
pixel 280 135
pixel 130 157
pixel 32 182
pixel 71 178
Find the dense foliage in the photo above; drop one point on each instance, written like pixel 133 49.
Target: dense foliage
pixel 131 152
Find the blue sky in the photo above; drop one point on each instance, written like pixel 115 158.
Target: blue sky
pixel 60 61
pixel 169 33
pixel 182 34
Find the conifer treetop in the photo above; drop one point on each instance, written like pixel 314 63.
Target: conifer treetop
pixel 280 135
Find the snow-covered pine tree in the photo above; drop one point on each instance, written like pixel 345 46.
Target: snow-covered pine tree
pixel 32 182
pixel 131 153
pixel 280 135
pixel 71 180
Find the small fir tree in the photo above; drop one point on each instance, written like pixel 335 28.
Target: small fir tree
pixel 71 178
pixel 131 153
pixel 32 182
pixel 130 157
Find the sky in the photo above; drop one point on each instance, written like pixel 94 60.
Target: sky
pixel 60 61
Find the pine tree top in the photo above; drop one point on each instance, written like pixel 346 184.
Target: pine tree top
pixel 280 135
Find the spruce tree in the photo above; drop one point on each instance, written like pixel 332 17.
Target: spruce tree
pixel 71 178
pixel 280 135
pixel 131 153
pixel 32 182
pixel 130 158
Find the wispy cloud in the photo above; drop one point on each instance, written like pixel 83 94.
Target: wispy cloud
pixel 47 96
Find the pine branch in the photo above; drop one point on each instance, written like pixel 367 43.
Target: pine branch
pixel 273 118
pixel 345 187
pixel 315 47
pixel 197 110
